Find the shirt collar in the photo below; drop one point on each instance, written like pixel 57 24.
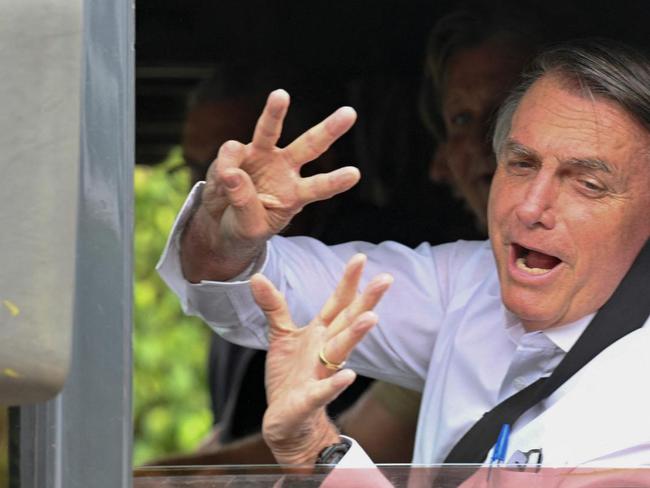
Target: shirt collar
pixel 565 336
pixel 513 326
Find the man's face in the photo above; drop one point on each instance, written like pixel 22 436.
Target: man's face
pixel 477 81
pixel 569 207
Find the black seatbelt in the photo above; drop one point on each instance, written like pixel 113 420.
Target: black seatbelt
pixel 626 310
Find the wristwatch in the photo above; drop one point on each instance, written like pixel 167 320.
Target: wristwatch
pixel 333 453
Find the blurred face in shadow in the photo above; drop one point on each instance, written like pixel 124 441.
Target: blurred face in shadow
pixel 208 125
pixel 478 79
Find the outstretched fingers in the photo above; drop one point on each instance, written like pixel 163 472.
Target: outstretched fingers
pixel 326 185
pixel 319 138
pixel 338 348
pixel 346 290
pixel 269 126
pixel 364 302
pixel 325 391
pixel 272 303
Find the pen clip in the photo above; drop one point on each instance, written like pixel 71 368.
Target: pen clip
pixel 501 446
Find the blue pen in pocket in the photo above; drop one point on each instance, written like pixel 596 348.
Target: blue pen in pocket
pixel 500 449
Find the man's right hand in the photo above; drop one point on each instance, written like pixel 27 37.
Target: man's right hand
pixel 252 191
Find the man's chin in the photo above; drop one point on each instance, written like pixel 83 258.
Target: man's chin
pixel 534 314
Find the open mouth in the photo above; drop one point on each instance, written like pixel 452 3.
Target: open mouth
pixel 534 262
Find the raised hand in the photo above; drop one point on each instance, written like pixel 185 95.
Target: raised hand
pixel 298 384
pixel 252 191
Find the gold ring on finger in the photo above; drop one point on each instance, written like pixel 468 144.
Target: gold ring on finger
pixel 329 364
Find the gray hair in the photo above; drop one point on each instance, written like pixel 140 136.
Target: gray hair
pixel 594 68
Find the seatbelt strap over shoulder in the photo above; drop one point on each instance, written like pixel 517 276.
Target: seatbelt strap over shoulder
pixel 626 310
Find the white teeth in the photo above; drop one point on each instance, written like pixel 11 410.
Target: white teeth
pixel 521 264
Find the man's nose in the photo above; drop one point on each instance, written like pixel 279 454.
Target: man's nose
pixel 538 206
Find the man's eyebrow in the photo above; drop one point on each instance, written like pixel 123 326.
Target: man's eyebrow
pixel 591 163
pixel 517 149
pixel 595 164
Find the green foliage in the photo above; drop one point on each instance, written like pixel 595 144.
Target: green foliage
pixel 171 405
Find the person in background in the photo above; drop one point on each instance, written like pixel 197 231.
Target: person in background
pixel 473 58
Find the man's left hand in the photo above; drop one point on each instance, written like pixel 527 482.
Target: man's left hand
pixel 298 385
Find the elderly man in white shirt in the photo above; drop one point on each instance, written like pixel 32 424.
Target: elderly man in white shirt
pixel 468 323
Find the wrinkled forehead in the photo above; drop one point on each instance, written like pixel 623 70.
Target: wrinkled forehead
pixel 555 101
pixel 575 85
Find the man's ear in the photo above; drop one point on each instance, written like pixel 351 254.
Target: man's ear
pixel 438 167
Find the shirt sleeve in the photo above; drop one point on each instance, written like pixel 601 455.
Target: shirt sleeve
pixel 306 271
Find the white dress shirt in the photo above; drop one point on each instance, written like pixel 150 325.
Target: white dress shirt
pixel 442 330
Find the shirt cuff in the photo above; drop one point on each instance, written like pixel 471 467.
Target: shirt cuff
pixel 169 265
pixel 356 457
pixel 355 469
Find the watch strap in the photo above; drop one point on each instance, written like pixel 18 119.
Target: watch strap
pixel 333 453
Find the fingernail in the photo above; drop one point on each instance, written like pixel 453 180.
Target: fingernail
pixel 345 113
pixel 255 280
pixel 279 92
pixel 231 181
pixel 366 320
pixel 344 377
pixel 232 146
pixel 344 177
pixel 382 280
